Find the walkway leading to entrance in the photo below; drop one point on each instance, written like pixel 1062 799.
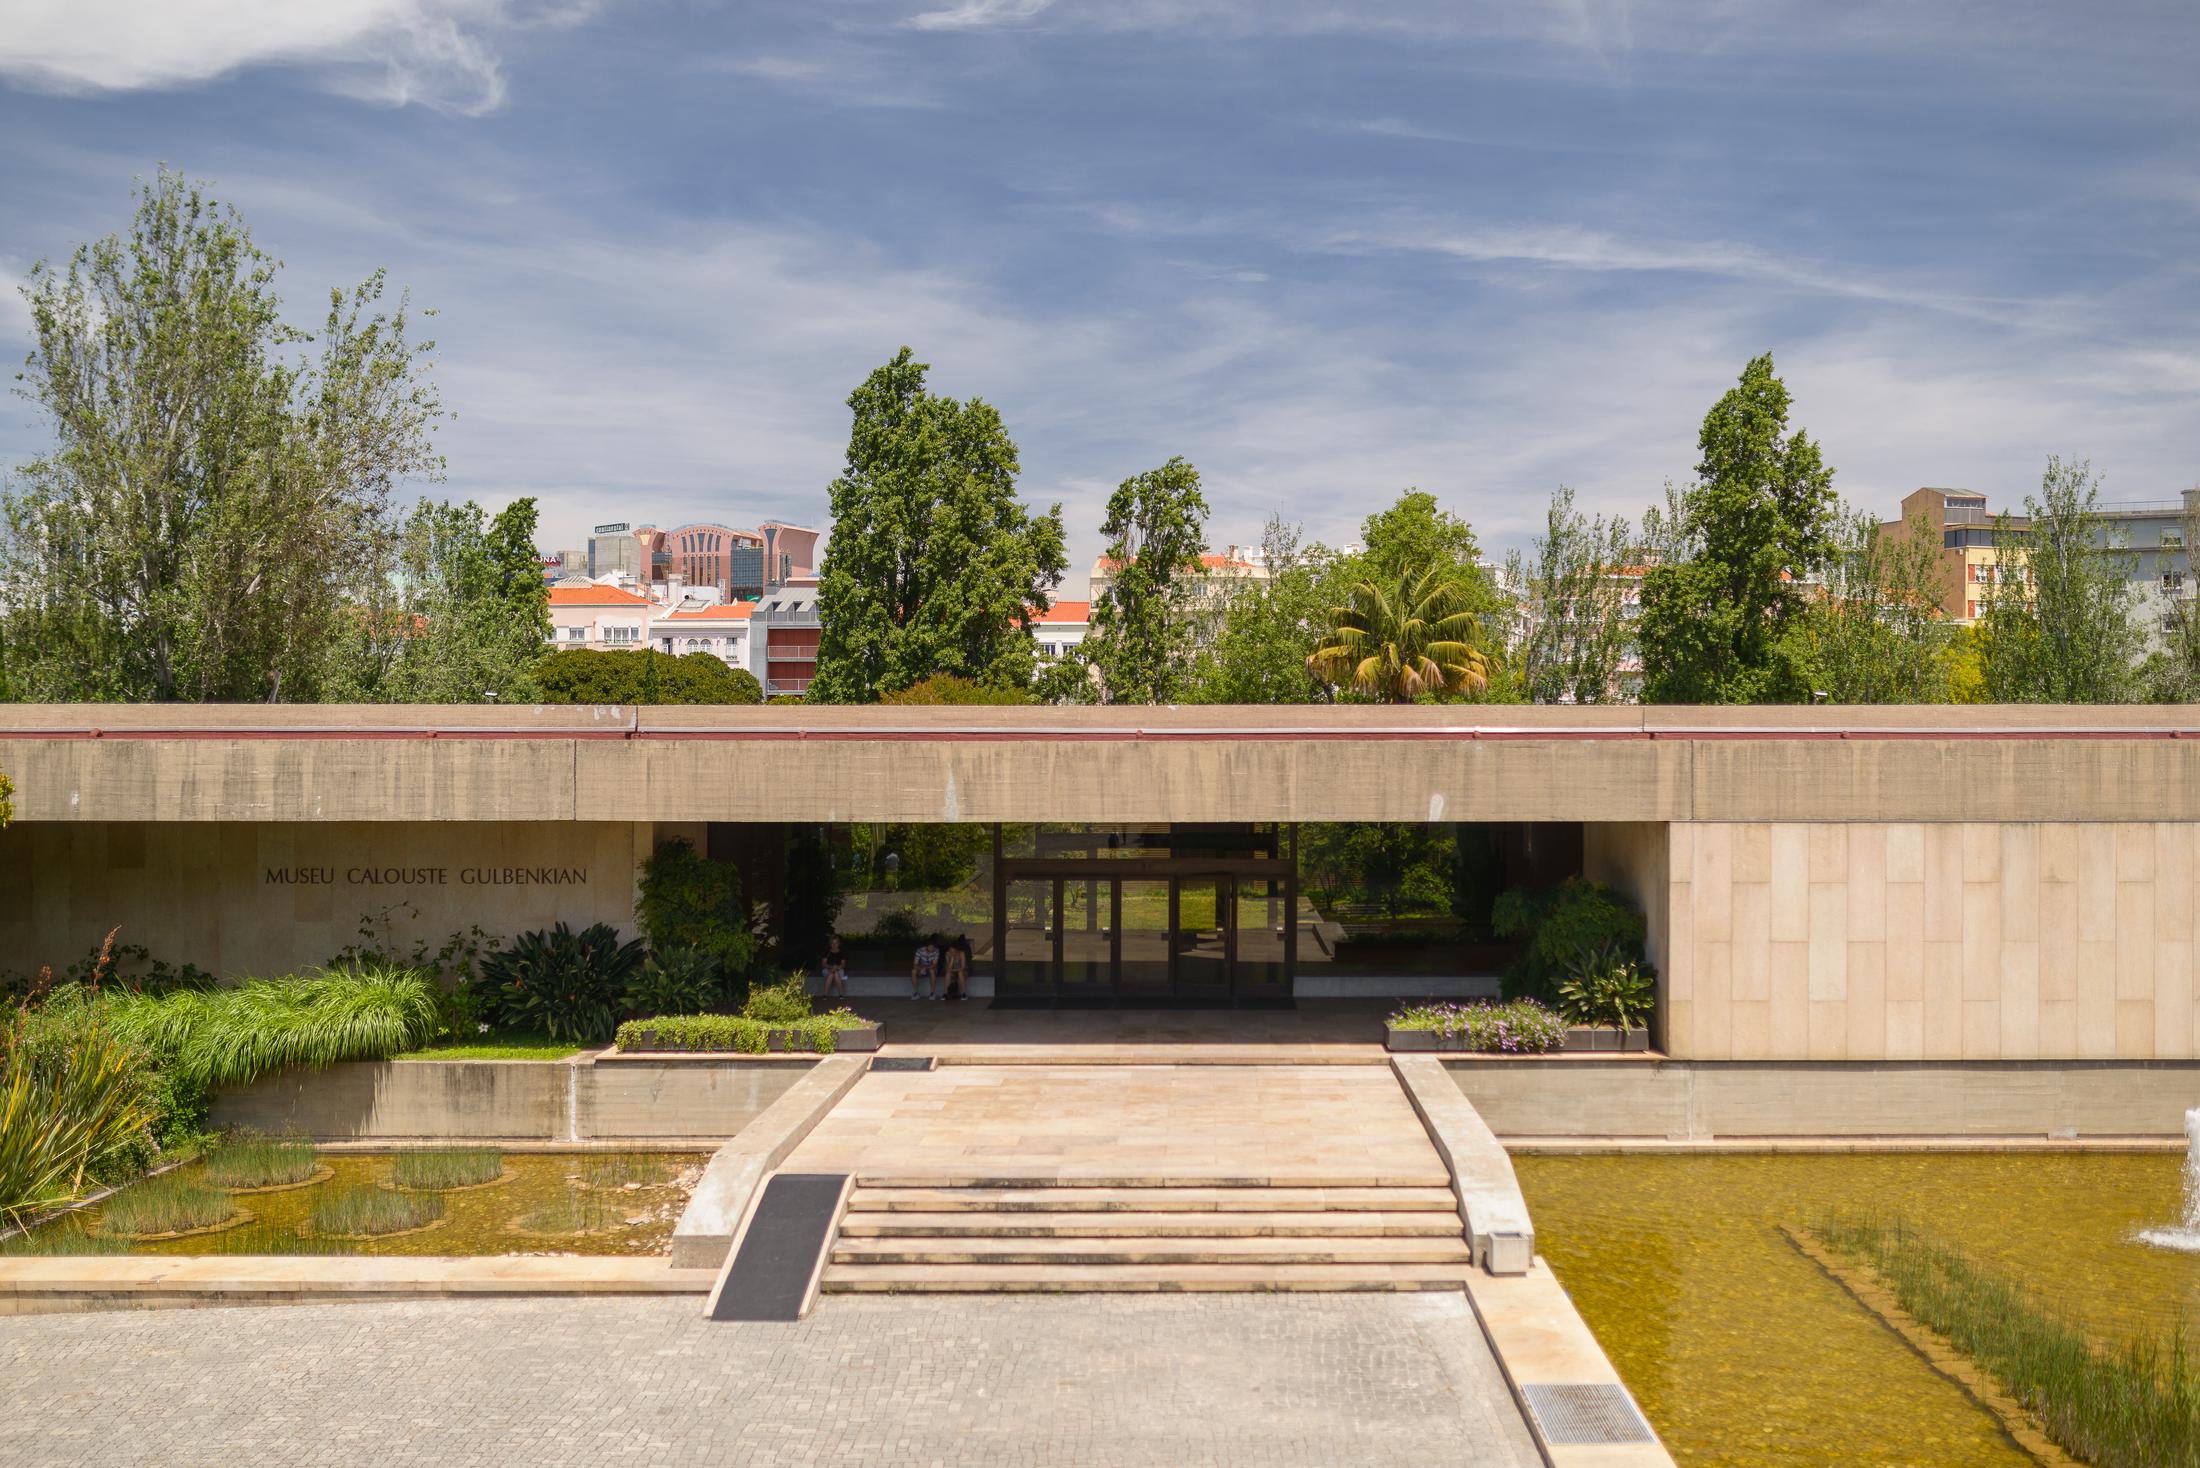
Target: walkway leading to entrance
pixel 1082 1178
pixel 1320 1031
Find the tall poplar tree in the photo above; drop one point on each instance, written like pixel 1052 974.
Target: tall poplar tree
pixel 2058 626
pixel 934 565
pixel 1575 624
pixel 1142 628
pixel 1725 625
pixel 212 508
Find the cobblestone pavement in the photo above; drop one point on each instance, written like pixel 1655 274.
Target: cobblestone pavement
pixel 905 1382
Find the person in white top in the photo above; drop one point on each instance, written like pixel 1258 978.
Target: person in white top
pixel 925 972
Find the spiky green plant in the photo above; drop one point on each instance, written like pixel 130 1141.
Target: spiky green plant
pixel 369 1210
pixel 260 1162
pixel 168 1204
pixel 446 1167
pixel 66 1102
pixel 232 1036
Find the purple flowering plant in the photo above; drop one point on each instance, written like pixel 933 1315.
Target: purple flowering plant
pixel 1522 1027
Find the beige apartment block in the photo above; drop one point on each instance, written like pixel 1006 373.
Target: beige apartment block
pixel 1917 941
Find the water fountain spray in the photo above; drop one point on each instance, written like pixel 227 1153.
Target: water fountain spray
pixel 2186 1235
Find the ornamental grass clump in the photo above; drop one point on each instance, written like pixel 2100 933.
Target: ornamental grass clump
pixel 59 1239
pixel 446 1167
pixel 2136 1406
pixel 368 1211
pixel 260 1162
pixel 170 1204
pixel 230 1037
pixel 1522 1027
pixel 572 1213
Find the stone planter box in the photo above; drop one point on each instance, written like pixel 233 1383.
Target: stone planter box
pixel 1597 1037
pixel 863 1038
pixel 1578 1038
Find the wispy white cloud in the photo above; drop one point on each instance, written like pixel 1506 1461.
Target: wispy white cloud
pixel 973 14
pixel 435 53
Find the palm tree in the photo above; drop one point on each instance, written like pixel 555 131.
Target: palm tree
pixel 1396 643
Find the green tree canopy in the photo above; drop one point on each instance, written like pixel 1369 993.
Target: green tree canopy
pixel 213 508
pixel 1723 625
pixel 1270 628
pixel 1142 630
pixel 944 689
pixel 464 616
pixel 599 676
pixel 1574 624
pixel 1877 634
pixel 1417 535
pixel 2057 625
pixel 1408 639
pixel 934 565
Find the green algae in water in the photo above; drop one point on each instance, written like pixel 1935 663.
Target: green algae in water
pixel 477 1221
pixel 1743 1352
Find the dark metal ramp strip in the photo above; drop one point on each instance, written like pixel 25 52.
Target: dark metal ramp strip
pixel 773 1274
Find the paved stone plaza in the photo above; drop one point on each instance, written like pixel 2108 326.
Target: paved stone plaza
pixel 1261 1381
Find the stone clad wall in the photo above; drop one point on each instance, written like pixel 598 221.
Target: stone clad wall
pixel 264 898
pixel 1917 941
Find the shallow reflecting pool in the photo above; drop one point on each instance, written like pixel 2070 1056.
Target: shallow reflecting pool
pixel 1743 1352
pixel 537 1203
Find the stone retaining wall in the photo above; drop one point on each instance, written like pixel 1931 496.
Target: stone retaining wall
pixel 1701 1100
pixel 513 1100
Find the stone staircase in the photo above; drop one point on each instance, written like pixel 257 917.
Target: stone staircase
pixel 1145 1235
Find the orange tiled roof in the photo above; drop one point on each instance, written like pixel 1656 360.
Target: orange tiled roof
pixel 1067 611
pixel 732 611
pixel 1211 562
pixel 595 596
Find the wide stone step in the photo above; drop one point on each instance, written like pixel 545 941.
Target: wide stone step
pixel 1132 1251
pixel 1149 1278
pixel 1189 1199
pixel 1209 1225
pixel 1432 1176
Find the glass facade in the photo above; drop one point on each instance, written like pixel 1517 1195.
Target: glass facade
pixel 1196 915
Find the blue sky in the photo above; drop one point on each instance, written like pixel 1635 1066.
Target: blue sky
pixel 1324 250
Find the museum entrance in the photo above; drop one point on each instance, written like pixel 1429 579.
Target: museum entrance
pixel 1168 916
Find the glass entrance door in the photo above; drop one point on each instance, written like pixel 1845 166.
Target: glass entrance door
pixel 1142 969
pixel 1203 940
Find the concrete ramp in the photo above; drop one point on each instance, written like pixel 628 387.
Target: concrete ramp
pixel 773 1270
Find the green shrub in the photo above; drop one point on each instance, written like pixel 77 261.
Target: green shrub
pixel 1603 987
pixel 432 1168
pixel 733 1032
pixel 1560 924
pixel 260 1162
pixel 1521 1027
pixel 370 1210
pixel 689 901
pixel 599 676
pixel 947 688
pixel 2134 1407
pixel 783 1003
pixel 168 1204
pixel 674 981
pixel 564 984
pixel 895 928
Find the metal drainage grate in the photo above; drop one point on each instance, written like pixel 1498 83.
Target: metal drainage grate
pixel 901 1062
pixel 1577 1415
